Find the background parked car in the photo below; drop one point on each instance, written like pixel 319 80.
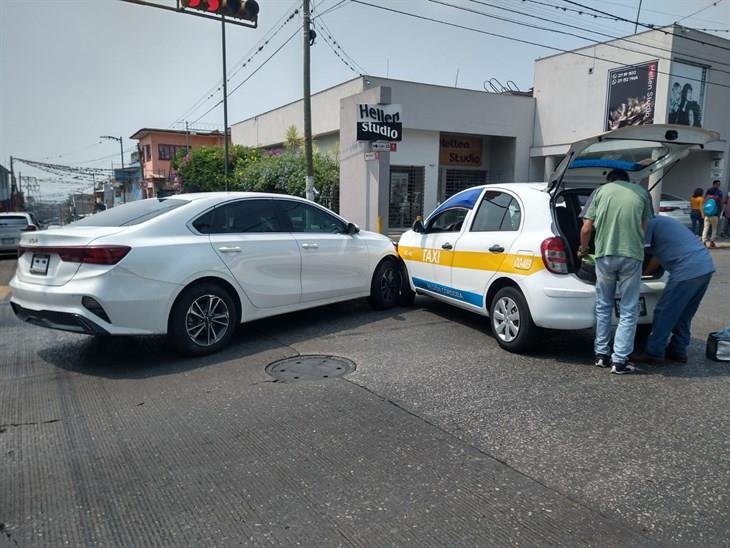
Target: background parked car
pixel 12 225
pixel 676 208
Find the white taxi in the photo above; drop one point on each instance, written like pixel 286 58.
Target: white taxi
pixel 508 251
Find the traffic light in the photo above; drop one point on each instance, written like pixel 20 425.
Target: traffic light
pixel 238 9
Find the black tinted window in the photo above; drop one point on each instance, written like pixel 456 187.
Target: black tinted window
pixel 450 220
pixel 132 213
pixel 244 216
pixel 498 211
pixel 19 221
pixel 306 218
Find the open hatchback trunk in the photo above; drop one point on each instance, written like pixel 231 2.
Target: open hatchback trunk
pixel 639 150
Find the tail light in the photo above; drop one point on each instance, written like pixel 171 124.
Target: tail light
pixel 554 255
pixel 93 254
pixel 667 209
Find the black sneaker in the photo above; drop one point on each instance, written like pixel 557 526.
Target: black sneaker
pixel 602 360
pixel 624 368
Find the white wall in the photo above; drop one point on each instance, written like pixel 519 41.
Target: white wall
pixel 421 148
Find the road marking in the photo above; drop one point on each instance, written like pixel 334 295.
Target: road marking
pixel 4 292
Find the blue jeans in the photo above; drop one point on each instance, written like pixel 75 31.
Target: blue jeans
pixel 697 221
pixel 673 315
pixel 624 273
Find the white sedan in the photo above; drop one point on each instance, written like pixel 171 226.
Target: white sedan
pixel 193 266
pixel 508 251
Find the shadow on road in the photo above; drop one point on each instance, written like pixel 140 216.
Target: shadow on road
pixel 144 357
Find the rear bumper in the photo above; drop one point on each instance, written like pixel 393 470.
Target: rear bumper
pixel 63 321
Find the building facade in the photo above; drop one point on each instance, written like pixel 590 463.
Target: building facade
pixel 156 149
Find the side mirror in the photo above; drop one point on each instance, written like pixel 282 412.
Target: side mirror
pixel 418 226
pixel 352 228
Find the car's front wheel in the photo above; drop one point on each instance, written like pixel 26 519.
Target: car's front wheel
pixel 385 286
pixel 203 320
pixel 511 321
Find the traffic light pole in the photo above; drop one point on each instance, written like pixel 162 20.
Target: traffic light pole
pixel 225 102
pixel 307 106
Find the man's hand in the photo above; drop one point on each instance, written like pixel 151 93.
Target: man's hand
pixel 651 267
pixel 585 237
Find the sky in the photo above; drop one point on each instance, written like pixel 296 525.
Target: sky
pixel 73 70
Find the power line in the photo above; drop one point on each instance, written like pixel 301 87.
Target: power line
pixel 243 61
pixel 600 33
pixel 73 151
pixel 520 40
pixel 648 26
pixel 330 35
pixel 712 5
pixel 249 76
pixel 579 12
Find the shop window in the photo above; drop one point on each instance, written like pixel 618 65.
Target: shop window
pixel 406 195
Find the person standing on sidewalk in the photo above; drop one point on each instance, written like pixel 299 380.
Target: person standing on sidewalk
pixel 690 269
pixel 712 208
pixel 696 214
pixel 619 212
pixel 725 230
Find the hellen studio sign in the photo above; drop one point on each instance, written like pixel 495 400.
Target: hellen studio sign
pixel 379 123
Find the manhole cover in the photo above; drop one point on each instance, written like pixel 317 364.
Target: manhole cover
pixel 310 368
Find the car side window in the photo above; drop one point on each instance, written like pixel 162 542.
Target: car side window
pixel 306 218
pixel 498 211
pixel 450 220
pixel 241 217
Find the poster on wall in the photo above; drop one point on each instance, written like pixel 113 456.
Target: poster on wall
pixel 687 87
pixel 631 95
pixel 379 123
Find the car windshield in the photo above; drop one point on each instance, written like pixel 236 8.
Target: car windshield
pixel 7 220
pixel 133 213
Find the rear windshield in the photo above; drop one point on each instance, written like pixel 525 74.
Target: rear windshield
pixel 133 213
pixel 7 220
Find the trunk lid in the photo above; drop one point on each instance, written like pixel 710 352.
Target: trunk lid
pixel 638 150
pixel 39 255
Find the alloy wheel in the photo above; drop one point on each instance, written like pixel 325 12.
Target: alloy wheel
pixel 506 319
pixel 207 320
pixel 389 284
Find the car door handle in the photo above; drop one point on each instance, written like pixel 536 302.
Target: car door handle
pixel 496 248
pixel 229 249
pixel 309 246
pixel 447 245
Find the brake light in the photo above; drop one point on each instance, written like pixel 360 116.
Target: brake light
pixel 93 254
pixel 554 255
pixel 667 209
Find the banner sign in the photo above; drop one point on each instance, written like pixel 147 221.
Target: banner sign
pixel 379 123
pixel 631 95
pixel 688 84
pixel 460 150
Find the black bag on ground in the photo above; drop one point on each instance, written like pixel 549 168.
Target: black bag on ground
pixel 718 349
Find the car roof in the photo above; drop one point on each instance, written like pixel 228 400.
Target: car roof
pixel 14 213
pixel 194 196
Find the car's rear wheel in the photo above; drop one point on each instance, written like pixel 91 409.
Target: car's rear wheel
pixel 203 320
pixel 511 321
pixel 385 287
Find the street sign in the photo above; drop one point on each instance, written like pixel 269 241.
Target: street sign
pixel 372 156
pixel 393 147
pixel 380 145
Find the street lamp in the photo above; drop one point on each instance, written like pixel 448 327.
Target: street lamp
pixel 121 152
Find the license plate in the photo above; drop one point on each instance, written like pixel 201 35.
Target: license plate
pixel 8 241
pixel 642 306
pixel 39 264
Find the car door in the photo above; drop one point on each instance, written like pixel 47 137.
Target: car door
pixel 432 270
pixel 249 237
pixel 482 250
pixel 334 263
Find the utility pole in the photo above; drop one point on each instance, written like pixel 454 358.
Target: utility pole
pixel 225 102
pixel 307 105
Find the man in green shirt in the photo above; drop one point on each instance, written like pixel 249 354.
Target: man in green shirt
pixel 618 212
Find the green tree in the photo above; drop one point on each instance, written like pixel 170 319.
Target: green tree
pixel 203 169
pixel 293 141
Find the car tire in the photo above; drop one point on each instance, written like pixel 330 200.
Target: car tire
pixel 407 295
pixel 203 320
pixel 511 321
pixel 385 287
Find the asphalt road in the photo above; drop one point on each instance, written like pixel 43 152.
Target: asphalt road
pixel 439 438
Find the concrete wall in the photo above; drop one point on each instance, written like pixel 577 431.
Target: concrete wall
pixel 421 148
pixel 269 128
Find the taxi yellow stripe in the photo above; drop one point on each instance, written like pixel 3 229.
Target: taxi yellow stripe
pixel 524 265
